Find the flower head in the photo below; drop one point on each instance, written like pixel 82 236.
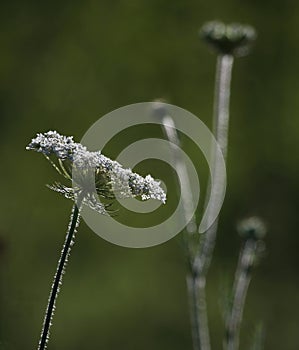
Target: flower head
pixel 252 228
pixel 94 174
pixel 231 39
pixel 51 142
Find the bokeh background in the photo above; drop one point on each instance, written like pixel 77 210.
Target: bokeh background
pixel 63 64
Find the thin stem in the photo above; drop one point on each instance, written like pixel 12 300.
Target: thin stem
pixel 193 307
pixel 198 313
pixel 220 130
pixel 204 254
pixel 196 300
pixel 54 165
pixel 240 288
pixel 199 264
pixel 66 174
pixel 222 100
pixel 258 338
pixel 69 241
pixel 181 169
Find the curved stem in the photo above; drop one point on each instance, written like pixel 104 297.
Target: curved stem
pixel 240 288
pixel 181 169
pixel 74 222
pixel 196 300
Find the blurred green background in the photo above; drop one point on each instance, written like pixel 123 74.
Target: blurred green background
pixel 63 64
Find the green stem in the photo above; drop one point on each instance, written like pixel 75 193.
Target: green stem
pixel 240 288
pixel 182 172
pixel 199 321
pixel 69 240
pixel 222 99
pixel 196 300
pixel 199 264
pixel 204 255
pixel 220 130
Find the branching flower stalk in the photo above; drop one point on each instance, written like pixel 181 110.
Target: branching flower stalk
pixel 229 41
pixel 92 176
pixel 253 231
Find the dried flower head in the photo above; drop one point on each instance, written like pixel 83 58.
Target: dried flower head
pixel 94 174
pixel 231 39
pixel 252 227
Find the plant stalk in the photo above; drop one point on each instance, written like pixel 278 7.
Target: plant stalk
pixel 240 288
pixel 204 254
pixel 69 241
pixel 197 323
pixel 198 313
pixel 220 131
pixel 198 265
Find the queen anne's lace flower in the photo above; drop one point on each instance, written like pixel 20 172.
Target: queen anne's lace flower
pixel 109 178
pixel 51 142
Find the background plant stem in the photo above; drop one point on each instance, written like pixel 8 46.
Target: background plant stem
pixel 69 240
pixel 198 265
pixel 240 288
pixel 191 228
pixel 197 300
pixel 198 321
pixel 222 100
pixel 220 129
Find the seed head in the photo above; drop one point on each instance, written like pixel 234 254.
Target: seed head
pixel 252 228
pixel 228 39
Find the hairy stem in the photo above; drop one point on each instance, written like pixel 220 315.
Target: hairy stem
pixel 240 288
pixel 181 169
pixel 196 300
pixel 69 241
pixel 222 99
pixel 220 129
pixel 198 265
pixel 198 313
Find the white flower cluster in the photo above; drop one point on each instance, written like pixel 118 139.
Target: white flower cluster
pixel 123 182
pixel 51 142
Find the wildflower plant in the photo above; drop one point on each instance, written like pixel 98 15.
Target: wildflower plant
pixel 91 176
pixel 96 181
